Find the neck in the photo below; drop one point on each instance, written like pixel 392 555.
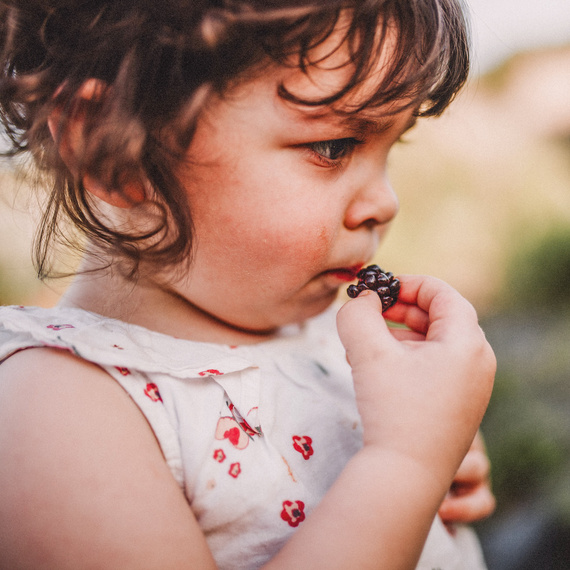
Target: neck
pixel 154 306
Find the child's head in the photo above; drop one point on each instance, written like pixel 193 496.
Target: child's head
pixel 124 83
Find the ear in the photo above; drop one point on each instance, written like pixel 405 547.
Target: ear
pixel 70 142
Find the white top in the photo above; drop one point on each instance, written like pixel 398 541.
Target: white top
pixel 254 435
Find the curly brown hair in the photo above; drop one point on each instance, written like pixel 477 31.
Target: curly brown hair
pixel 161 60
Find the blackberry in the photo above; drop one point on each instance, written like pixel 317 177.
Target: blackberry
pixel 384 283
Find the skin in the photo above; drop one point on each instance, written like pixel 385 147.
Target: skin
pixel 263 180
pixel 266 178
pixel 470 498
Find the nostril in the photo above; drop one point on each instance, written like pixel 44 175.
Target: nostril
pixel 372 206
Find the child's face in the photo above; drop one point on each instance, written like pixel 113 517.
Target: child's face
pixel 287 203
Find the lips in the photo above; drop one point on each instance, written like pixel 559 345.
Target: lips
pixel 346 274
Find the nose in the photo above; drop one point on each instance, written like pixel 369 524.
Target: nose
pixel 374 203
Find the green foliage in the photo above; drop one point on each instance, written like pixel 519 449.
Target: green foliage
pixel 539 272
pixel 523 461
pixel 526 444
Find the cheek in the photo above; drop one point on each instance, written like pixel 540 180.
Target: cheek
pixel 252 230
pixel 316 244
pixel 290 246
pixel 256 218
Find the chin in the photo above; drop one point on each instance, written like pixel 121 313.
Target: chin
pixel 269 322
pixel 315 307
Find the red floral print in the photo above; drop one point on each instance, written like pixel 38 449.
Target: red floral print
pixel 219 455
pixel 228 428
pixel 123 371
pixel 235 470
pixel 303 444
pixel 244 425
pixel 210 371
pixel 152 392
pixel 60 327
pixel 118 347
pixel 293 512
pixel 233 435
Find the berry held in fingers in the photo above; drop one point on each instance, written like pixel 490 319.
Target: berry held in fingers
pixel 385 284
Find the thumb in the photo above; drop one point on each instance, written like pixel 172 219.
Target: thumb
pixel 362 328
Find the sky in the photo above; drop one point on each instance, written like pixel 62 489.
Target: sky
pixel 503 27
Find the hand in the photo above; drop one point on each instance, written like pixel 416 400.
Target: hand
pixel 421 394
pixel 470 498
pixel 422 390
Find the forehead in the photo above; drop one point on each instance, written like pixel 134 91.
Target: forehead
pixel 330 68
pixel 310 90
pixel 329 76
pixel 257 104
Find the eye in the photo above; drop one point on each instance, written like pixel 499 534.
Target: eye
pixel 333 151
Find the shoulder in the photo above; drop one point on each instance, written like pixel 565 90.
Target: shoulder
pixel 45 381
pixel 74 444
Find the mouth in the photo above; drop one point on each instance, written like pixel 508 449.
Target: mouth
pixel 345 274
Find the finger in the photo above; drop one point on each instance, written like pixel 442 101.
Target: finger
pixel 450 315
pixel 477 505
pixel 360 325
pixel 475 468
pixel 406 335
pixel 422 289
pixel 363 313
pixel 409 315
pixel 479 443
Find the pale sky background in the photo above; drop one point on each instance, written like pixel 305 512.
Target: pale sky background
pixel 504 27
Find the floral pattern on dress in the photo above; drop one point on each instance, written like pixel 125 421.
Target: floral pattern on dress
pixel 210 372
pixel 304 445
pixel 219 455
pixel 293 512
pixel 60 327
pixel 228 428
pixel 152 392
pixel 235 470
pixel 246 427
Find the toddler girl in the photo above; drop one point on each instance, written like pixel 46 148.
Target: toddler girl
pixel 189 403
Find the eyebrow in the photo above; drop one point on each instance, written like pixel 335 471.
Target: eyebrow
pixel 365 125
pixel 360 123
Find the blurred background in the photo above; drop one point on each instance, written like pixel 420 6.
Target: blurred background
pixel 485 205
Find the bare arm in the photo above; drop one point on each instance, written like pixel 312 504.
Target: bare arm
pixel 82 476
pixel 421 395
pixel 470 498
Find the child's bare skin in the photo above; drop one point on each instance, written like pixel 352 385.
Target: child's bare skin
pixel 287 201
pixel 470 498
pixel 395 472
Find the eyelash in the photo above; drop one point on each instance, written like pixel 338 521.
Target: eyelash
pixel 337 149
